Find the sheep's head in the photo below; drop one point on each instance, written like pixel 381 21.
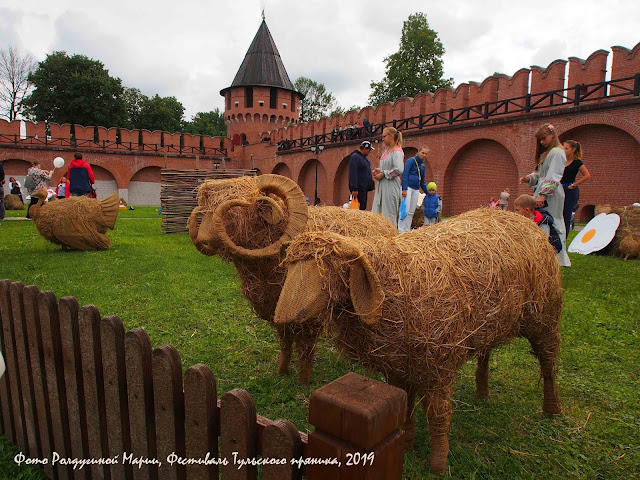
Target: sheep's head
pixel 326 271
pixel 247 217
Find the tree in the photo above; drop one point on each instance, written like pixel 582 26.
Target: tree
pixel 317 102
pixel 133 100
pixel 14 80
pixel 416 67
pixel 161 113
pixel 75 90
pixel 207 123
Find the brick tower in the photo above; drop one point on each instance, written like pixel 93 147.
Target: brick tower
pixel 261 97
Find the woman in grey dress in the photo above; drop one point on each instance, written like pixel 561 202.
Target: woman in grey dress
pixel 549 195
pixel 389 176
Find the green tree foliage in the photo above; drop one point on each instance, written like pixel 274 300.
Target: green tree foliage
pixel 207 123
pixel 416 67
pixel 133 100
pixel 75 90
pixel 161 113
pixel 317 102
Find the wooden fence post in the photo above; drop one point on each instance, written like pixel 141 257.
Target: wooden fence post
pixel 201 421
pixel 238 434
pixel 169 410
pixel 357 422
pixel 91 354
pixel 115 394
pixel 34 342
pixel 138 353
pixel 70 343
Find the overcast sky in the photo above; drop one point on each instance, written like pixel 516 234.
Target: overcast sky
pixel 191 49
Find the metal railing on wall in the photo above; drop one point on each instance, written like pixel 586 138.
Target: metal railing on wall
pixel 110 146
pixel 618 89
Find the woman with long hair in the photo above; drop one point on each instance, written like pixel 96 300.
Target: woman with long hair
pixel 389 176
pixel 550 160
pixel 573 151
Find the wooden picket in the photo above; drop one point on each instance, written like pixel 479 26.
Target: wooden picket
pixel 79 389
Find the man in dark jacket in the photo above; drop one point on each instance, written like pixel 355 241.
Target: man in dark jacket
pixel 80 177
pixel 360 178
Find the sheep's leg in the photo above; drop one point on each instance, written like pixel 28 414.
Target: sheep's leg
pixel 285 338
pixel 482 376
pixel 545 348
pixel 306 349
pixel 409 426
pixel 437 408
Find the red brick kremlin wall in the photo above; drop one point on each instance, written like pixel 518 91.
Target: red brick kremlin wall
pixel 470 161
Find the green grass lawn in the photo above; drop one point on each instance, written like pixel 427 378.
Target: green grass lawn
pixel 162 284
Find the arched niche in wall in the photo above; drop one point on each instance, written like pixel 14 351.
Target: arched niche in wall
pixel 282 169
pixel 307 180
pixel 612 157
pixel 477 172
pixel 17 168
pixel 144 187
pixel 105 181
pixel 258 171
pixel 341 183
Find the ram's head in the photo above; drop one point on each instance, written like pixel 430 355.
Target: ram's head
pixel 326 271
pixel 247 217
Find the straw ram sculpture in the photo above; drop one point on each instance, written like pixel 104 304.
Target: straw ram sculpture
pixel 416 306
pixel 76 222
pixel 246 220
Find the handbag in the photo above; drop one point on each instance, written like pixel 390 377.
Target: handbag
pixel 354 205
pixel 92 193
pixel 403 208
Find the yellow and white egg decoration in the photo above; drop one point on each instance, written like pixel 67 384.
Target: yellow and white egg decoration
pixel 596 234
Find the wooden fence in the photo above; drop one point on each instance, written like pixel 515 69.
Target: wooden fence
pixel 178 193
pixel 85 400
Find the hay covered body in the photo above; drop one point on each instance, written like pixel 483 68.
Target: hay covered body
pixel 629 221
pixel 12 202
pixel 441 294
pixel 77 222
pixel 264 211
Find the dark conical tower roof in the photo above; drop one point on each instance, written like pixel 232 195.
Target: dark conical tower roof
pixel 262 65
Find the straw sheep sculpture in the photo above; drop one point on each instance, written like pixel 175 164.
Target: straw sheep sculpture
pixel 246 220
pixel 629 247
pixel 76 222
pixel 12 202
pixel 416 306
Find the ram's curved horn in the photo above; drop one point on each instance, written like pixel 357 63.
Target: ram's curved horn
pixel 296 211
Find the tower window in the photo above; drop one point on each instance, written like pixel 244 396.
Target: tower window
pixel 273 100
pixel 227 97
pixel 248 97
pixel 293 101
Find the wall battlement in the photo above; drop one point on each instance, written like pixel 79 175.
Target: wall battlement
pixel 497 87
pixel 107 138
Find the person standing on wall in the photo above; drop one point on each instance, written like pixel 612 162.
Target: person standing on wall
pixel 80 177
pixel 412 181
pixel 360 179
pixel 573 151
pixel 389 176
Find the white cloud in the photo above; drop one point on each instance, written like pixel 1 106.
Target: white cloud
pixel 193 49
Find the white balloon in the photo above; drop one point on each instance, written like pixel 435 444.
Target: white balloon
pixel 58 162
